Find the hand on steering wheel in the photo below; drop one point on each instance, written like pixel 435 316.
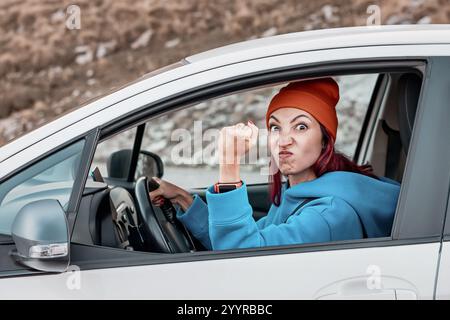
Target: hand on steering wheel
pixel 163 230
pixel 169 191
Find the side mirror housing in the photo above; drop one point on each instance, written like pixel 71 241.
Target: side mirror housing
pixel 41 235
pixel 149 165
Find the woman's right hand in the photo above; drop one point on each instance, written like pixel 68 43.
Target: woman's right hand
pixel 170 192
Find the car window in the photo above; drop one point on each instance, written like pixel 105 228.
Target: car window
pixel 50 178
pixel 184 139
pixel 111 147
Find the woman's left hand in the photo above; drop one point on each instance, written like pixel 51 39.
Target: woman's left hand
pixel 234 143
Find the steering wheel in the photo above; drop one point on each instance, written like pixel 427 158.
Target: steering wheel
pixel 162 233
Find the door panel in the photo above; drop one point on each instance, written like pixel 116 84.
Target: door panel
pixel 443 280
pixel 357 273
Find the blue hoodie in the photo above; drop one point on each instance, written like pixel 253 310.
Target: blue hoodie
pixel 345 201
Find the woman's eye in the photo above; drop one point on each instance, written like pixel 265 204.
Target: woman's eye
pixel 301 126
pixel 273 128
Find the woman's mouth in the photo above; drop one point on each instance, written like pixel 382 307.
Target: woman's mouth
pixel 284 154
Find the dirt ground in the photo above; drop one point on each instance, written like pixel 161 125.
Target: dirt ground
pixel 47 68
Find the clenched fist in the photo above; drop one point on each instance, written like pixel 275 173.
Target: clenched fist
pixel 235 141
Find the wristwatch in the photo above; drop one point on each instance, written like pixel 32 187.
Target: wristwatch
pixel 225 187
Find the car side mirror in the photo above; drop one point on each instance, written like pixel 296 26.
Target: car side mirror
pixel 149 165
pixel 41 234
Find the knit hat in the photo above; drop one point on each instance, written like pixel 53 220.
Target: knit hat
pixel 317 97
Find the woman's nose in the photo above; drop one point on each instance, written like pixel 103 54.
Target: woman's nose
pixel 284 139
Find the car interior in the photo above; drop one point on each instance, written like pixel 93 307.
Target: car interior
pixel 116 211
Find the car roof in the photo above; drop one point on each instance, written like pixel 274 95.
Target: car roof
pixel 332 38
pixel 242 51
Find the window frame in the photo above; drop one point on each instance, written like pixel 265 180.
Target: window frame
pixel 441 65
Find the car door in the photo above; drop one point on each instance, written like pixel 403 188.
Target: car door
pixel 401 266
pixel 443 278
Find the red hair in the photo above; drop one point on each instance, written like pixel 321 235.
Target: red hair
pixel 329 160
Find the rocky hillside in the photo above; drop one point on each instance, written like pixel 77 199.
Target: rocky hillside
pixel 46 68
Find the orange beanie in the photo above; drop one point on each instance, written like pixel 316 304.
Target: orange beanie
pixel 317 97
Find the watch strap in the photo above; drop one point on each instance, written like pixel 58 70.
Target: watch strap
pixel 225 187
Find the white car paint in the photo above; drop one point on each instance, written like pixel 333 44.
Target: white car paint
pixel 372 273
pixel 443 279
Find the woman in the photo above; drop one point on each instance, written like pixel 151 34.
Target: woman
pixel 338 199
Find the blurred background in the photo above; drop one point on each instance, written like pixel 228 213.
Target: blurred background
pixel 46 68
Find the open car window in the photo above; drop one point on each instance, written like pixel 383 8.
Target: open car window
pixel 119 143
pixel 185 139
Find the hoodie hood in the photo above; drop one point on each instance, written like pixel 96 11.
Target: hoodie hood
pixel 373 200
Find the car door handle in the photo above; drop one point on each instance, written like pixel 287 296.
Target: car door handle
pixel 388 294
pixel 358 289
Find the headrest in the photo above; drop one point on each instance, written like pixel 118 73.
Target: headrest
pixel 118 164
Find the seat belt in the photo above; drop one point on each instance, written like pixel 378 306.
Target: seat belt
pixel 304 202
pixel 393 150
pixel 298 207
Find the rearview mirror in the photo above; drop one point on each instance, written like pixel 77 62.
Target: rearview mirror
pixel 41 235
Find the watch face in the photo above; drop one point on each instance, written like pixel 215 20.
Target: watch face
pixel 226 188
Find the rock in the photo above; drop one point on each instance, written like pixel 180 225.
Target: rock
pixel 89 73
pixel 58 16
pixel 269 32
pixel 158 145
pixel 168 125
pixel 104 48
pixel 424 20
pixel 172 43
pixel 143 40
pixel 84 54
pixel 39 106
pixel 329 13
pixel 396 19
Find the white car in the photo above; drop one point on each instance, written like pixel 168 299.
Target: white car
pixel 60 225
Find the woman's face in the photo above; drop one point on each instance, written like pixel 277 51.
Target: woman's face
pixel 295 140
